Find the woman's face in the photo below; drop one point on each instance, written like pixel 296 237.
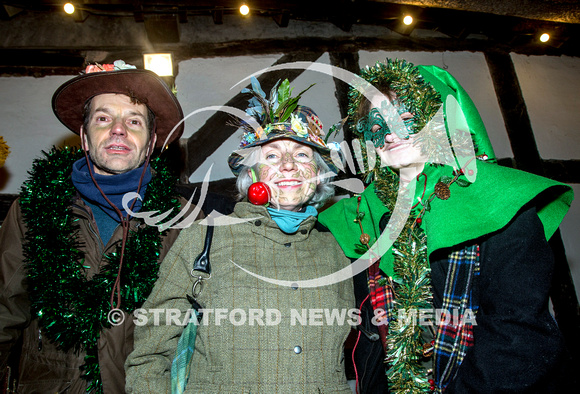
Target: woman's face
pixel 399 153
pixel 289 169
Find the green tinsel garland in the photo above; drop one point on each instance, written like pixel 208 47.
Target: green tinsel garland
pixel 405 80
pixel 412 288
pixel 71 309
pixel 412 291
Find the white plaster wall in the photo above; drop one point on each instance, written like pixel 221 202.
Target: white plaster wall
pixel 550 87
pixel 205 83
pixel 28 125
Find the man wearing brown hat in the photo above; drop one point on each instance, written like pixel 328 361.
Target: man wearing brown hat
pixel 74 262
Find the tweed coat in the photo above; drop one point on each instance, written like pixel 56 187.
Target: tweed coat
pixel 289 345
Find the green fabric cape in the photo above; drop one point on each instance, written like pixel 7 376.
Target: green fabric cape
pixel 472 212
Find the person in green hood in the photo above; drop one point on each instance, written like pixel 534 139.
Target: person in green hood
pixel 451 248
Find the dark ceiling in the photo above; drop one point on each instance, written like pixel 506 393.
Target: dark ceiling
pixel 562 11
pixel 510 25
pixel 347 11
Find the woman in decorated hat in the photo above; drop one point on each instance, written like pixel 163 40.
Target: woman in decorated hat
pixel 456 266
pixel 258 276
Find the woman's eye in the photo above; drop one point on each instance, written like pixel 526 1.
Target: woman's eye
pixel 375 128
pixel 302 157
pixel 271 156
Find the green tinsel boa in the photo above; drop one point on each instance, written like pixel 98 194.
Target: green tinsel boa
pixel 71 309
pixel 411 288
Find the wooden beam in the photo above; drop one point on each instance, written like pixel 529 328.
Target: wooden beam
pixel 218 15
pixel 282 19
pixel 527 158
pixel 566 171
pixel 347 61
pixel 514 111
pixel 43 61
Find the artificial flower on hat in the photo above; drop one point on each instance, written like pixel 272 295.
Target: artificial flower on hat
pixel 279 116
pixel 116 66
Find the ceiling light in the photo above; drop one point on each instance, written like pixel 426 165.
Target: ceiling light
pixel 69 8
pixel 544 37
pixel 407 20
pixel 244 9
pixel 160 63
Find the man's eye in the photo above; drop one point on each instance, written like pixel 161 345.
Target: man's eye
pixel 271 156
pixel 135 122
pixel 101 118
pixel 375 128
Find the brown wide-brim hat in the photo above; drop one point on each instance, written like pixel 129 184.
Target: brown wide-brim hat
pixel 69 100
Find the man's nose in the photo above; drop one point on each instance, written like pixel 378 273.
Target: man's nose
pixel 118 128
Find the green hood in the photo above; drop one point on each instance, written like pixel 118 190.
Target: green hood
pixel 487 199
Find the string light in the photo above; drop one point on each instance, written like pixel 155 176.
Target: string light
pixel 407 20
pixel 159 63
pixel 544 37
pixel 69 8
pixel 244 9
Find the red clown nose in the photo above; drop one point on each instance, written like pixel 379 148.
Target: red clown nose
pixel 259 193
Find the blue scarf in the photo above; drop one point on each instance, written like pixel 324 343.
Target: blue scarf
pixel 114 186
pixel 290 221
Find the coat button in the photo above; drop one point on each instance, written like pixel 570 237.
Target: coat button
pixel 303 231
pixel 294 286
pixel 297 349
pixel 258 223
pixel 288 244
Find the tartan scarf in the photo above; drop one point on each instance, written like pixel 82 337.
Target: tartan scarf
pixel 452 338
pixel 381 299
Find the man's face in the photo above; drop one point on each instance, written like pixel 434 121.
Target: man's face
pixel 117 138
pixel 289 168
